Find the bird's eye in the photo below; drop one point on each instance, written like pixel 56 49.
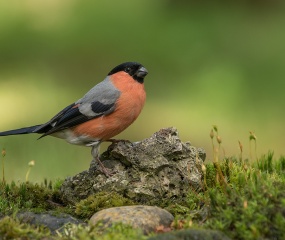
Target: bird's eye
pixel 128 69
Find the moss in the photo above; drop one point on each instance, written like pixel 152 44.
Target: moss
pixel 94 203
pixel 177 209
pixel 13 229
pixel 268 165
pixel 253 204
pixel 210 175
pixel 122 231
pixel 117 231
pixel 250 205
pixel 27 196
pixel 255 214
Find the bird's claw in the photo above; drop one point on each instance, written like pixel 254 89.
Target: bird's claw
pixel 108 172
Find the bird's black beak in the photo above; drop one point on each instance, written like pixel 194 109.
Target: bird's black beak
pixel 141 72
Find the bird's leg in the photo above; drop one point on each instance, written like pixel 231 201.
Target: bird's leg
pixel 103 169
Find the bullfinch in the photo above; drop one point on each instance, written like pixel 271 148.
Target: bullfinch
pixel 106 110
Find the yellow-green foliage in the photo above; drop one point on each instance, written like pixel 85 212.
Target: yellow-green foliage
pixel 94 203
pixel 13 229
pixel 26 196
pixel 249 203
pixel 210 175
pixel 252 205
pixel 117 231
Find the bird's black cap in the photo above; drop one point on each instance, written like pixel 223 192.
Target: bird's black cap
pixel 134 69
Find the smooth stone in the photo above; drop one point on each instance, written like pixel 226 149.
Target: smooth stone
pixel 147 218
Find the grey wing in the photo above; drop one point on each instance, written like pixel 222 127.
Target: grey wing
pixel 100 100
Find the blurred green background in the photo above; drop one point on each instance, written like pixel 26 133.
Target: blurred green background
pixel 216 62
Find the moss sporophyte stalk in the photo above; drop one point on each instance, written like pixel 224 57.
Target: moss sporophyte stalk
pixel 3 164
pixel 30 164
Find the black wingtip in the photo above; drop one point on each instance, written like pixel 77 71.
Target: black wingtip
pixel 25 130
pixel 44 135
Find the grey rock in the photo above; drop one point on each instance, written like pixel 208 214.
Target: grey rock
pixel 53 221
pixel 191 234
pixel 147 218
pixel 156 168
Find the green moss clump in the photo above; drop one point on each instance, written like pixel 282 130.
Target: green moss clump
pixel 123 232
pixel 117 231
pixel 268 165
pixel 249 203
pixel 27 196
pixel 13 229
pixel 252 205
pixel 258 213
pixel 210 175
pixel 94 203
pixel 177 209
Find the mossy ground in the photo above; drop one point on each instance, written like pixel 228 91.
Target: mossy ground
pixel 246 201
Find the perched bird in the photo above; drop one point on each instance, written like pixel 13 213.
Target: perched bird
pixel 106 110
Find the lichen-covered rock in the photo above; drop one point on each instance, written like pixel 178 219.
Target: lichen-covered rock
pixel 147 218
pixel 158 167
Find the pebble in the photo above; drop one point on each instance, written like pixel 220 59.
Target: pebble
pixel 147 218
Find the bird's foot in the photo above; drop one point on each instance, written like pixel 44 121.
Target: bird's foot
pixel 96 158
pixel 108 172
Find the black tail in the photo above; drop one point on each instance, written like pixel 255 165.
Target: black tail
pixel 25 130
